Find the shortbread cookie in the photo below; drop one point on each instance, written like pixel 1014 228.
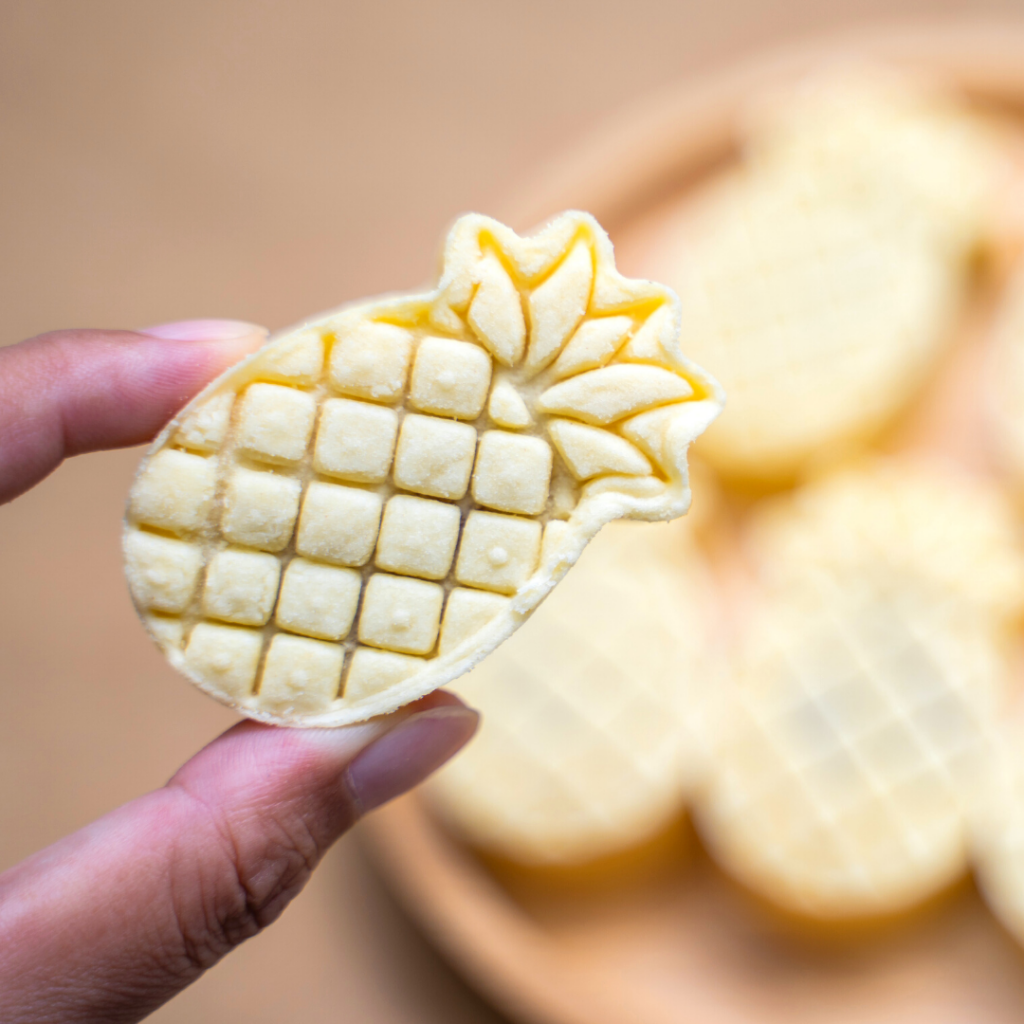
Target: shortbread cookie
pixel 997 828
pixel 948 163
pixel 864 695
pixel 411 468
pixel 582 750
pixel 822 277
pixel 855 740
pixel 917 517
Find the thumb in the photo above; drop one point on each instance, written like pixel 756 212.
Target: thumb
pixel 111 922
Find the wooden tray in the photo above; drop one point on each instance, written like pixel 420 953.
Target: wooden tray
pixel 662 936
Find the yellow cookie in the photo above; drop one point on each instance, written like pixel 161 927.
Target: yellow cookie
pixel 583 749
pixel 301 535
pixel 944 161
pixel 997 832
pixel 821 279
pixel 864 696
pixel 918 517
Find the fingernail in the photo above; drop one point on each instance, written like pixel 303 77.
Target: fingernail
pixel 407 754
pixel 203 330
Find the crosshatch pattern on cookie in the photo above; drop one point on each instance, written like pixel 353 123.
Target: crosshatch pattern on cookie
pixel 840 789
pixel 367 494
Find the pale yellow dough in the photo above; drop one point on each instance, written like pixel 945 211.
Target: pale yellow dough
pixel 997 827
pixel 362 510
pixel 584 749
pixel 822 276
pixel 856 731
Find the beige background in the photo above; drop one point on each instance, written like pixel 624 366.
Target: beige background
pixel 265 160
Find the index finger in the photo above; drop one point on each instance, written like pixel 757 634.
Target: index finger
pixel 70 392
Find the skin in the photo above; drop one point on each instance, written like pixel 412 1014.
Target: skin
pixel 111 922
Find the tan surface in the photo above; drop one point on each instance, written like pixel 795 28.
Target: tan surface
pixel 262 161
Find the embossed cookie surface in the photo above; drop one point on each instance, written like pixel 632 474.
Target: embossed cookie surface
pixel 822 277
pixel 856 740
pixel 997 828
pixel 363 509
pixel 583 750
pixel 865 692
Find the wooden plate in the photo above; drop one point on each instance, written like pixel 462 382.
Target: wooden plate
pixel 661 936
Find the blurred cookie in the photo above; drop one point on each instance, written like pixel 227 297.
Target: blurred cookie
pixel 998 828
pixel 949 163
pixel 822 278
pixel 914 516
pixel 864 696
pixel 583 749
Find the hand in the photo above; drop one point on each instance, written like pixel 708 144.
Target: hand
pixel 111 922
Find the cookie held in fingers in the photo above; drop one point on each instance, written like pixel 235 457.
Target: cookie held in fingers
pixel 299 538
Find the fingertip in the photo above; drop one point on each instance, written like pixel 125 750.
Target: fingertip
pixel 213 345
pixel 405 755
pixel 375 761
pixel 70 392
pixel 250 745
pixel 339 745
pixel 435 699
pixel 205 330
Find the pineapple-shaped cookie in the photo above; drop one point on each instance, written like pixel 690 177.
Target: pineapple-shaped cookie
pixel 866 690
pixel 362 510
pixel 822 276
pixel 584 748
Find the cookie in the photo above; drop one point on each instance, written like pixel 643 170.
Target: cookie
pixel 823 276
pixel 864 694
pixel 952 530
pixel 997 828
pixel 301 536
pixel 582 750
